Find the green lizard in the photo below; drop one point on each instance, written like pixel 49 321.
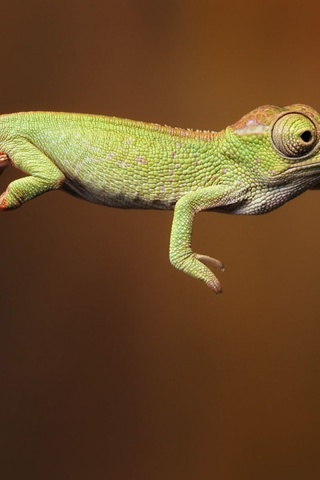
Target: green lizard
pixel 265 159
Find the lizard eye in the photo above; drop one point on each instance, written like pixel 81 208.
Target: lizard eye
pixel 294 135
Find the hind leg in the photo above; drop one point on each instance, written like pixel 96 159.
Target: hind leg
pixel 44 175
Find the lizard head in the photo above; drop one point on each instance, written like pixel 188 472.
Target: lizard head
pixel 282 145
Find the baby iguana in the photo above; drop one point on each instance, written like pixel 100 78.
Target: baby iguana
pixel 265 159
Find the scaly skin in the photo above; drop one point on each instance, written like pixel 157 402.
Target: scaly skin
pixel 268 157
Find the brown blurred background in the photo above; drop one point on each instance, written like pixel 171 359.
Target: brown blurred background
pixel 113 364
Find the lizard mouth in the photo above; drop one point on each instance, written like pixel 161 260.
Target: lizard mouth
pixel 305 166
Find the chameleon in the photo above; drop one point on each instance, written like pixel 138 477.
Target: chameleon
pixel 265 159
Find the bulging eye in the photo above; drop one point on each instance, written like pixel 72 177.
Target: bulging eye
pixel 294 135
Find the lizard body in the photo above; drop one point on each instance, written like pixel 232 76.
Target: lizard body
pixel 265 159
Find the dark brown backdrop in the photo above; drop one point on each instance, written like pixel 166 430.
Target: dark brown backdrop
pixel 114 365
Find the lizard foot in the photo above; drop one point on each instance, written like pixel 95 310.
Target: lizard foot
pixel 210 262
pixel 3 202
pixel 4 162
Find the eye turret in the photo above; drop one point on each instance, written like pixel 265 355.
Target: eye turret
pixel 294 135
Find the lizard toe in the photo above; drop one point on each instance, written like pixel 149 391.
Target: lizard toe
pixel 209 261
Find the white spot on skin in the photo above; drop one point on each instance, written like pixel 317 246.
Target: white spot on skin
pixel 111 155
pixel 86 161
pixel 128 142
pixel 141 160
pixel 251 130
pixel 122 164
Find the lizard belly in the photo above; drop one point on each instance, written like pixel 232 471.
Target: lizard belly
pixel 119 199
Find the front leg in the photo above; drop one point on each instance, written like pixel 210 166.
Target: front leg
pixel 181 254
pixel 44 175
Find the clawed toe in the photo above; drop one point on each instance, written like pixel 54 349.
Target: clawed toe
pixel 4 162
pixel 209 261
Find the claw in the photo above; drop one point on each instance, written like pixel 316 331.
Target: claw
pixel 3 202
pixel 210 262
pixel 4 162
pixel 215 286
